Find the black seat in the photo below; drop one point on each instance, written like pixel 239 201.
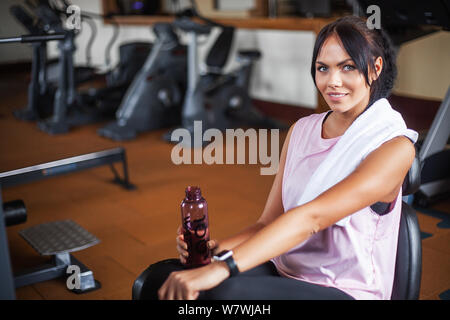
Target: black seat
pixel 408 266
pixel 219 52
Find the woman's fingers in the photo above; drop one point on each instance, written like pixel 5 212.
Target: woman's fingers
pixel 213 245
pixel 182 249
pixel 181 243
pixel 176 287
pixel 180 294
pixel 187 284
pixel 162 291
pixel 166 291
pixel 193 295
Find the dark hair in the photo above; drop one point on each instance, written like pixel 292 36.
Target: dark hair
pixel 364 46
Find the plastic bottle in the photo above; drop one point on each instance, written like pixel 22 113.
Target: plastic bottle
pixel 194 219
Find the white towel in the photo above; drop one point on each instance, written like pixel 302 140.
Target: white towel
pixel 378 124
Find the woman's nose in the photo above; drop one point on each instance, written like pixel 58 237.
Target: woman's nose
pixel 334 80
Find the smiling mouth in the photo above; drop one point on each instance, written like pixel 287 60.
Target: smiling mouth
pixel 337 95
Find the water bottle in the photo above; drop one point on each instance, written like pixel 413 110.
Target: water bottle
pixel 194 219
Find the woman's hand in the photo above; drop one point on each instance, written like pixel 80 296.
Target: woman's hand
pixel 186 285
pixel 182 246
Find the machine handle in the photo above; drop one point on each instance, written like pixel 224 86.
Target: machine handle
pixel 15 212
pixel 33 38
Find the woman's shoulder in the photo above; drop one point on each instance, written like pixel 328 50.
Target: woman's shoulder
pixel 312 118
pixel 309 121
pixel 303 128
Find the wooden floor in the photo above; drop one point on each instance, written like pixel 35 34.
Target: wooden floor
pixel 137 228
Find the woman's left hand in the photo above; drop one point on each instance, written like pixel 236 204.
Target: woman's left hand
pixel 186 284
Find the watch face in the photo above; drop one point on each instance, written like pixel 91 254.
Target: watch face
pixel 223 255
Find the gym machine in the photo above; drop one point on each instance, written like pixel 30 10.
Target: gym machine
pixel 40 93
pixel 7 289
pixel 45 76
pixel 435 156
pixel 58 238
pixel 217 99
pixel 153 100
pixel 53 98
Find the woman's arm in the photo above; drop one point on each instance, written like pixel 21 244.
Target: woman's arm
pixel 186 284
pixel 272 209
pixel 380 174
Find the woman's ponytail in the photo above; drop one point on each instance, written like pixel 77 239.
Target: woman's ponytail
pixel 383 86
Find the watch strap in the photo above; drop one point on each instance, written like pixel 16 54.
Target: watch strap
pixel 232 266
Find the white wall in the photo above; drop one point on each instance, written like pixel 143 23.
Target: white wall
pixel 9 27
pixel 283 75
pixel 424 67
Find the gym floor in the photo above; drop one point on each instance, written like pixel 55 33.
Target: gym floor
pixel 137 228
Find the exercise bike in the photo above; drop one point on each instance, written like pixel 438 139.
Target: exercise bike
pixel 53 98
pixel 217 99
pixel 153 100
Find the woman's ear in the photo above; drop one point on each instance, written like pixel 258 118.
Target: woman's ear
pixel 378 67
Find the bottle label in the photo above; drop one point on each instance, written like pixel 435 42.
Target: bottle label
pixel 196 236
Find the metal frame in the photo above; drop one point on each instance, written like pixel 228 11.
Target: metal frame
pixel 69 165
pixel 62 260
pixel 57 268
pixel 439 131
pixel 435 142
pixel 7 291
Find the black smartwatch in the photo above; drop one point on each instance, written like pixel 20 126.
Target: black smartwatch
pixel 227 257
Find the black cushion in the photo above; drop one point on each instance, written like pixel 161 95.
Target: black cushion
pixel 412 180
pixel 408 266
pixel 218 54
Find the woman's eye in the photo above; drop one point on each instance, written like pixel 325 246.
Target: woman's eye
pixel 321 68
pixel 349 67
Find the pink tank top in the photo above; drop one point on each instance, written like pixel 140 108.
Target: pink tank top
pixel 357 258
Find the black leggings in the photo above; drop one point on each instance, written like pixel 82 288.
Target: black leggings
pixel 260 283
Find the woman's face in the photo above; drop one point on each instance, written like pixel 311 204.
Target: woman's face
pixel 343 87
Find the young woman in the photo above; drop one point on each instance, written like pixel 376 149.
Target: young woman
pixel 329 228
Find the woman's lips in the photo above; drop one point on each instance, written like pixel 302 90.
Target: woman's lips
pixel 336 96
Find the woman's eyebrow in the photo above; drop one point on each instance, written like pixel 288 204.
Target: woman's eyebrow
pixel 340 63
